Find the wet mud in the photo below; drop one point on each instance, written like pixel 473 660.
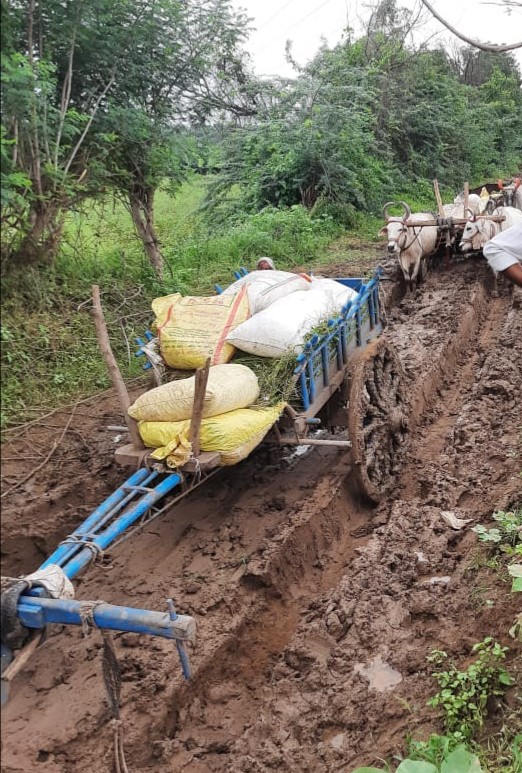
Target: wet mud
pixel 315 610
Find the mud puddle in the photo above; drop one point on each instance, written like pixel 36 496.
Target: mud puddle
pixel 315 612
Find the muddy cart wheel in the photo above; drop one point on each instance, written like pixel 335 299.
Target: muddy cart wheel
pixel 377 417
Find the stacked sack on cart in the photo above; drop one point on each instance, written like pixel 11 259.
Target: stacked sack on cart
pixel 265 313
pixel 229 426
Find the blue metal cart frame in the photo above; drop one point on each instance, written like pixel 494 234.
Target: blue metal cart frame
pixel 320 372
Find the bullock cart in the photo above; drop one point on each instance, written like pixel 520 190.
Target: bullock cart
pixel 441 229
pixel 347 379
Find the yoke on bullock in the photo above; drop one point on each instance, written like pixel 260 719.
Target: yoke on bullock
pixel 416 237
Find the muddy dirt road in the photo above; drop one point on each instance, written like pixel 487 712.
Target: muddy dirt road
pixel 315 611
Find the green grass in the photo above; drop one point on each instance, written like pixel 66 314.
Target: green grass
pixel 49 350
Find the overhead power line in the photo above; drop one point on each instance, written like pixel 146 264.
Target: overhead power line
pixel 274 15
pixel 293 27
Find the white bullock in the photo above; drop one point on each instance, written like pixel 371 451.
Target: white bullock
pixel 411 244
pixel 479 230
pixel 476 205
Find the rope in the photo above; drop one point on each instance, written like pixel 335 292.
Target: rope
pixel 111 679
pixel 86 612
pixel 197 471
pixel 52 580
pixel 87 542
pixel 14 634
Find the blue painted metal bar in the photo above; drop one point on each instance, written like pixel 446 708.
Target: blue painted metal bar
pixel 130 490
pixel 90 523
pixel 325 362
pixel 117 527
pixel 237 274
pixel 37 613
pixel 344 330
pixel 218 289
pixel 354 283
pixel 182 652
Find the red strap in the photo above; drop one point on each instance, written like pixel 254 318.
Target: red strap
pixel 228 324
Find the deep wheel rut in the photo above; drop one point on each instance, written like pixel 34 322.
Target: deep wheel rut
pixel 315 610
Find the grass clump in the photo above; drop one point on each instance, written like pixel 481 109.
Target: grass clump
pixel 464 695
pixel 49 349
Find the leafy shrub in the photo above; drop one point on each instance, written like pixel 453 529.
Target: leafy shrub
pixel 464 694
pixel 458 761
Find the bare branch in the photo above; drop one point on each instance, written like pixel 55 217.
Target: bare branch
pixel 475 43
pixel 88 124
pixel 66 93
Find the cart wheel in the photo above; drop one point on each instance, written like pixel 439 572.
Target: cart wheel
pixel 377 417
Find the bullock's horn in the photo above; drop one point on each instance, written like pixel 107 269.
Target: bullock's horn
pixel 385 209
pixel 473 215
pixel 407 210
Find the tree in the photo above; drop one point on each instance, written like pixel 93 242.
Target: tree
pixel 59 64
pixel 93 93
pixel 476 43
pixel 190 67
pixel 313 143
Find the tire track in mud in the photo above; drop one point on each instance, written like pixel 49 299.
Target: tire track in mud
pixel 278 565
pixel 458 370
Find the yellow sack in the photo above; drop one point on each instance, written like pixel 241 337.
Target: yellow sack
pixel 161 306
pixel 193 328
pixel 229 387
pixel 234 435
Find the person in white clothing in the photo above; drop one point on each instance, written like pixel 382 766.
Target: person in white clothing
pixel 504 253
pixel 265 264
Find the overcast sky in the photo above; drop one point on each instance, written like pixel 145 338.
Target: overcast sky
pixel 305 22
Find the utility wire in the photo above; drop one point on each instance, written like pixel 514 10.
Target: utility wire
pixel 289 29
pixel 274 15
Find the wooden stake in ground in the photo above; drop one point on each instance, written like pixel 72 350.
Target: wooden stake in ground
pixel 112 367
pixel 440 206
pixel 466 197
pixel 200 390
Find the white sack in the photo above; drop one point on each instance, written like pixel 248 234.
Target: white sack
pixel 338 294
pixel 266 287
pixel 282 328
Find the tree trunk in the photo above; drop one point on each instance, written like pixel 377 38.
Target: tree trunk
pixel 42 238
pixel 142 211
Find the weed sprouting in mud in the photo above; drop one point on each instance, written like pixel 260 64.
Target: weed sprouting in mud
pixel 505 543
pixel 458 760
pixel 507 536
pixel 464 695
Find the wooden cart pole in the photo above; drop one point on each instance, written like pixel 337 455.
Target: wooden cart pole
pixel 440 205
pixel 200 390
pixel 466 197
pixel 112 367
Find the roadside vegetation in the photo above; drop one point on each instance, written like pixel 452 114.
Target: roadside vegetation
pixel 49 349
pixel 148 167
pixel 482 733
